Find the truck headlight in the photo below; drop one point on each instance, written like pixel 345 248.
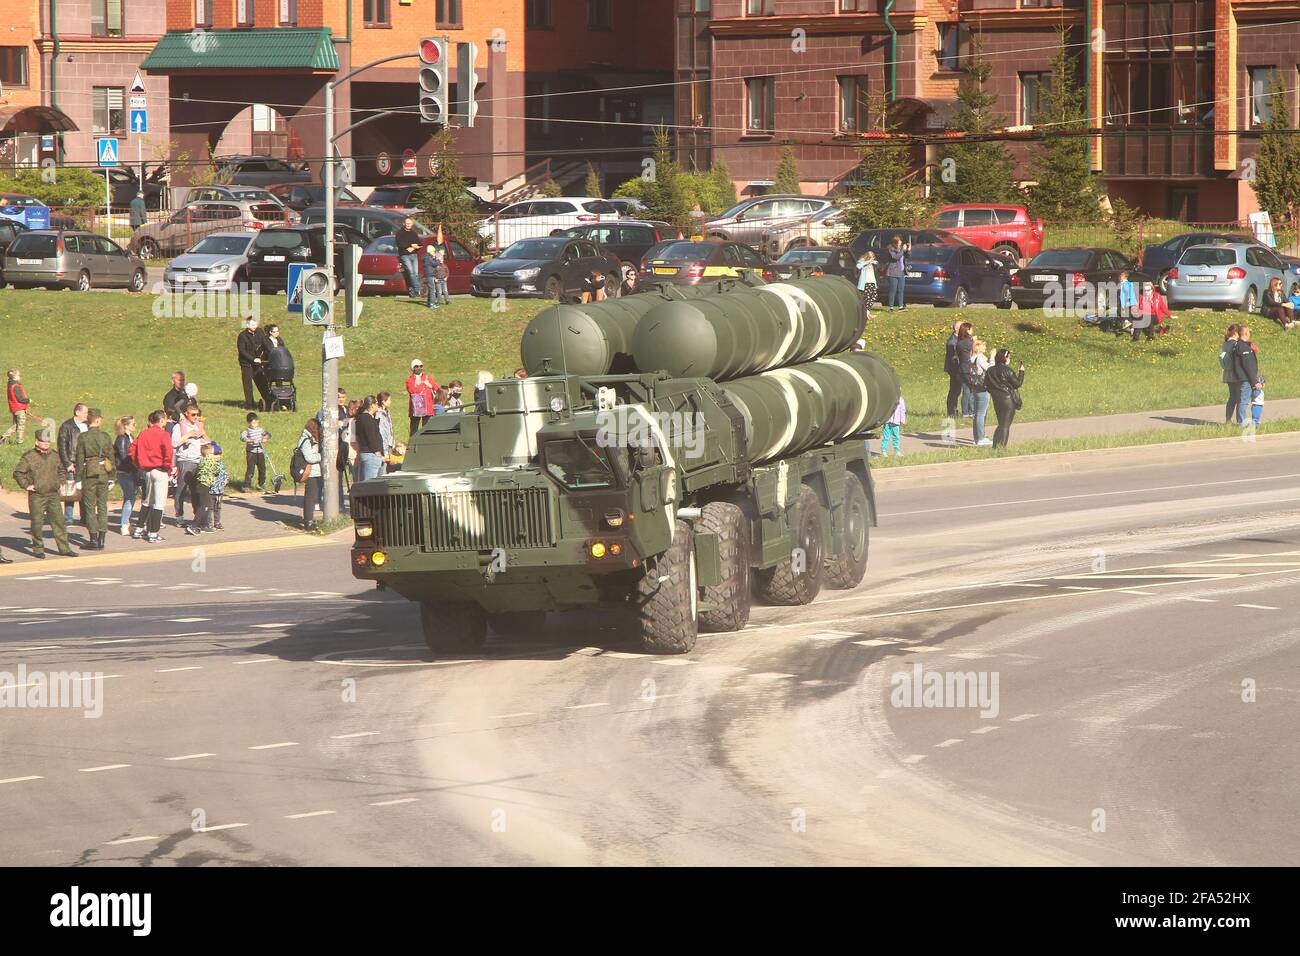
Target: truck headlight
pixel 364 529
pixel 527 273
pixel 379 559
pixel 598 549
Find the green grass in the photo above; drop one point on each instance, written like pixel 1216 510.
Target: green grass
pixel 110 350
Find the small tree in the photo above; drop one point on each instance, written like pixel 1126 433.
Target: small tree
pixel 591 186
pixel 443 197
pixel 1277 166
pixel 1128 226
pixel 724 187
pixel 787 174
pixel 1062 164
pixel 663 194
pixel 980 171
pixel 551 189
pixel 885 195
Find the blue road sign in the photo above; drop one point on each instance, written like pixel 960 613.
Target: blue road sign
pixel 106 151
pixel 296 269
pixel 139 121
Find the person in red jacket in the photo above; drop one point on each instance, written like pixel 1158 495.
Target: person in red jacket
pixel 18 404
pixel 152 455
pixel 1151 312
pixel 422 389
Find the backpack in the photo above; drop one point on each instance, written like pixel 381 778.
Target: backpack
pixel 298 465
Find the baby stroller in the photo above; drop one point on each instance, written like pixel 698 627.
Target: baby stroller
pixel 280 387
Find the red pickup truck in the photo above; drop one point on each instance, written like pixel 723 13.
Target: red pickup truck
pixel 1000 229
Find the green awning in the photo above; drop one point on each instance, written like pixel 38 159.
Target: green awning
pixel 285 48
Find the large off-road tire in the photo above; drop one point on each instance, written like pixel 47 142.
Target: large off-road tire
pixel 666 601
pixel 452 625
pixel 786 584
pixel 733 597
pixel 846 569
pixel 518 625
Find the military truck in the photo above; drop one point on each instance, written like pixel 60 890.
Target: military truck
pixel 670 462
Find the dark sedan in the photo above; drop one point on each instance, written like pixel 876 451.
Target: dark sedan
pixel 553 267
pixel 1159 258
pixel 1075 279
pixel 402 196
pixel 690 262
pixel 275 249
pixel 877 239
pixel 628 239
pixel 817 261
pixel 300 196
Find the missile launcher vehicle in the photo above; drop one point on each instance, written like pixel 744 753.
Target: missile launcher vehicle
pixel 674 496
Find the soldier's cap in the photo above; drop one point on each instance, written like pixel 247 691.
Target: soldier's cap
pixel 45 434
pixel 93 413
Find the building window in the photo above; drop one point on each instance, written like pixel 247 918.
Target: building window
pixel 1033 86
pixel 537 106
pixel 263 118
pixel 288 13
pixel 243 13
pixel 856 6
pixel 538 14
pixel 203 13
pixel 853 104
pixel 1261 103
pixel 598 15
pixel 375 13
pixel 703 6
pixel 106 18
pixel 448 14
pixel 107 110
pixel 760 8
pixel 1159 65
pixel 760 104
pixel 13 65
pixel 954 47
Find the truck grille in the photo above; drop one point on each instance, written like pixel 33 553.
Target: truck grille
pixel 460 520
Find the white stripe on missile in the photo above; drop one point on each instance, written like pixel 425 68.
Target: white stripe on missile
pixel 857 377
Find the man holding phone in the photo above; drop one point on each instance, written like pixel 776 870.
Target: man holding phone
pixel 408 248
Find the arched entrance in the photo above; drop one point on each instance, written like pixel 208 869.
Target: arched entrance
pixel 261 130
pixel 29 134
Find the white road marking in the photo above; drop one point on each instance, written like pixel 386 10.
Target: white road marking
pixel 1158 727
pixel 257 660
pixel 221 826
pixel 1136 591
pixel 359 733
pixel 110 766
pixel 179 587
pixel 189 757
pixel 312 813
pixel 830 635
pixel 42 647
pixel 1024 584
pixel 78 611
pixel 144 585
pixel 187 620
pixel 624 655
pixel 358 630
pixel 1021 717
pixel 970 655
pixel 673 662
pixel 213 590
pixel 42 620
pixel 985 730
pixel 393 803
pixel 19 779
pixel 112 614
pixel 922 649
pixel 173 670
pixel 271 627
pixel 874 642
pixel 286 743
pixel 590 651
pixel 586 706
pixel 117 640
pixel 913 758
pixel 139 839
pixel 1199 600
pixel 770 675
pixel 950 742
pixel 522 713
pixel 1077 587
pixel 1259 607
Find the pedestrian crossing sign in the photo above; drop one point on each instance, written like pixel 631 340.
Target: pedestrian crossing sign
pixel 294 296
pixel 106 151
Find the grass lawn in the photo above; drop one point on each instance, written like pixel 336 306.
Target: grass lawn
pixel 111 351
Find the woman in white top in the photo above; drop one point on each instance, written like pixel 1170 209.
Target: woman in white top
pixel 979 364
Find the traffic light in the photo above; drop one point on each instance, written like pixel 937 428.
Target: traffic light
pixel 317 298
pixel 466 82
pixel 433 80
pixel 352 285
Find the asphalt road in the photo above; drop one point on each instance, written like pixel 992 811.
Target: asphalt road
pixel 259 706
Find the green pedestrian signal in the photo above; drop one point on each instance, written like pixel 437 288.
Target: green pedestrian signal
pixel 318 313
pixel 317 298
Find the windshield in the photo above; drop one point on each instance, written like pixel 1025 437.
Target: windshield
pixel 534 249
pixel 257 195
pixel 815 256
pixel 731 213
pixel 389 197
pixel 280 239
pixel 577 464
pixel 19 201
pixel 599 207
pixel 930 253
pixel 1201 256
pixel 826 214
pixel 685 251
pixel 384 245
pixel 1062 259
pixel 222 246
pixel 32 247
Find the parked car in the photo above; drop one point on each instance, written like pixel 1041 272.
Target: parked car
pixel 216 261
pixel 369 221
pixel 823 229
pixel 628 239
pixel 690 262
pixel 402 196
pixel 169 237
pixel 71 260
pixel 381 269
pixel 259 170
pixel 124 185
pixel 1230 275
pixel 877 239
pixel 10 229
pixel 1005 230
pixel 749 219
pixel 299 196
pixel 817 260
pixel 534 218
pixel 275 248
pixel 1158 258
pixel 1078 269
pixel 231 194
pixel 552 267
pixel 957 276
pixel 628 208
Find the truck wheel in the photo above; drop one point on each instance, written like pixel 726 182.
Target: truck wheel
pixel 453 625
pixel 846 569
pixel 518 624
pixel 732 598
pixel 666 601
pixel 798 578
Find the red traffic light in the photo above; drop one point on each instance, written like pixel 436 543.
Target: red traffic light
pixel 429 52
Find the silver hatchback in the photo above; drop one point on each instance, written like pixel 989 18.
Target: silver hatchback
pixel 1228 275
pixel 72 260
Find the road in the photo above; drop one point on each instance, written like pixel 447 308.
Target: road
pixel 259 706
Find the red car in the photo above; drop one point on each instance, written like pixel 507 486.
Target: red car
pixel 1002 230
pixel 381 270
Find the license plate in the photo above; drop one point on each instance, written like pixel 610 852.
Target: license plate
pixel 1046 277
pixel 914 275
pixel 1200 278
pixel 372 281
pixel 275 258
pixel 665 272
pixel 29 262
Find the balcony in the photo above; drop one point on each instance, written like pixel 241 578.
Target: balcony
pixel 980 6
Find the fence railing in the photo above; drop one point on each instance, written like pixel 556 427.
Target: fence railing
pixel 166 233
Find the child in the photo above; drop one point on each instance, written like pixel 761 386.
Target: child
pixel 891 430
pixel 1127 302
pixel 19 401
pixel 440 276
pixel 217 490
pixel 254 438
pixel 1257 403
pixel 204 475
pixel 396 457
pixel 455 389
pixel 867 286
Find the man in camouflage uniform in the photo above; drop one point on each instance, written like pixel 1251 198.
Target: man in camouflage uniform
pixel 95 460
pixel 40 473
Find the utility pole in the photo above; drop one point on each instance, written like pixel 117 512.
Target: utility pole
pixel 330 487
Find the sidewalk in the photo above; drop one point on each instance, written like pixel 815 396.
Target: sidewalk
pixel 916 442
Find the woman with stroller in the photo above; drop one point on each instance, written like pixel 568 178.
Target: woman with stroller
pixel 279 370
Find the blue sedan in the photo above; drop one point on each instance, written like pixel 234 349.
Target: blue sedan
pixel 957 276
